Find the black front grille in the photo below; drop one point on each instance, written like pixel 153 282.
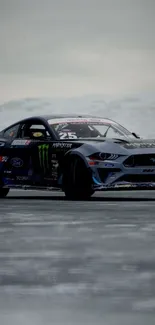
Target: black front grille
pixel 137 178
pixel 140 160
pixel 104 172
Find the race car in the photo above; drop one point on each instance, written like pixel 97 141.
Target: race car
pixel 74 154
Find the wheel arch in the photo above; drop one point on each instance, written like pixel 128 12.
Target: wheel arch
pixel 73 154
pixel 70 180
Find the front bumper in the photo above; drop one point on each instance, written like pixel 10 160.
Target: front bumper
pixel 123 186
pixel 115 176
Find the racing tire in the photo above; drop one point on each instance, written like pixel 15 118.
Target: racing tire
pixel 77 183
pixel 4 192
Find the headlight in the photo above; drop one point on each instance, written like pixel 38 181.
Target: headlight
pixel 108 156
pixel 103 156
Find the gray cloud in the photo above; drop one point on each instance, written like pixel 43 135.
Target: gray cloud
pixel 93 45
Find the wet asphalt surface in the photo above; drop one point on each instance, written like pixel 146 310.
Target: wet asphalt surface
pixel 72 262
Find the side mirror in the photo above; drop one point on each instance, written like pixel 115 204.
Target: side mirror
pixel 136 135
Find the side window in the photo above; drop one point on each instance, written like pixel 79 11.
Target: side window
pixel 112 133
pixel 34 131
pixel 11 133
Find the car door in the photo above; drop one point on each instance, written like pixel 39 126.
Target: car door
pixel 45 154
pixel 34 152
pixel 27 154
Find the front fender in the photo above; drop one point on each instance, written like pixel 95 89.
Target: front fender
pixel 74 153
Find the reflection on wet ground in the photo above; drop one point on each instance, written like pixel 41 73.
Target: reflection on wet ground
pixel 77 262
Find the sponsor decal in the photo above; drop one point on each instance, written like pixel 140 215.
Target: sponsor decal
pixel 44 156
pixel 80 120
pixel 139 145
pixel 20 142
pixel 7 171
pixel 148 170
pixel 3 159
pixel 68 135
pixel 16 162
pixel 123 185
pixel 62 145
pixel 55 166
pixel 2 144
pixel 22 178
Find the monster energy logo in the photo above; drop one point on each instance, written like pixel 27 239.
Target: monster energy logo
pixel 44 156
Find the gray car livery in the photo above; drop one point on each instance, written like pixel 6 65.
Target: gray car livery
pixel 76 154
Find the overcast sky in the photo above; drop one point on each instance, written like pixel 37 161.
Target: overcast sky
pixel 71 48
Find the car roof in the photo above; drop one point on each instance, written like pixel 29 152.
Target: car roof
pixel 59 116
pixel 56 116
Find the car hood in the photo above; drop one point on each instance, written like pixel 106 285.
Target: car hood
pixel 123 146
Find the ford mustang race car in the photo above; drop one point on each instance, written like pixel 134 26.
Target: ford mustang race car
pixel 76 154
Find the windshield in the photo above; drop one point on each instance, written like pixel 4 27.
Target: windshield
pixel 76 128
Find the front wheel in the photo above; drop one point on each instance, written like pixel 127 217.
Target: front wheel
pixel 77 180
pixel 4 192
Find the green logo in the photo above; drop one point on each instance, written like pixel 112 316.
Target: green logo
pixel 44 156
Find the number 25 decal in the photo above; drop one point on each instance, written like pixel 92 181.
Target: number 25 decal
pixel 67 135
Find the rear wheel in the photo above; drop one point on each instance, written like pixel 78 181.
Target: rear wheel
pixel 4 192
pixel 77 180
